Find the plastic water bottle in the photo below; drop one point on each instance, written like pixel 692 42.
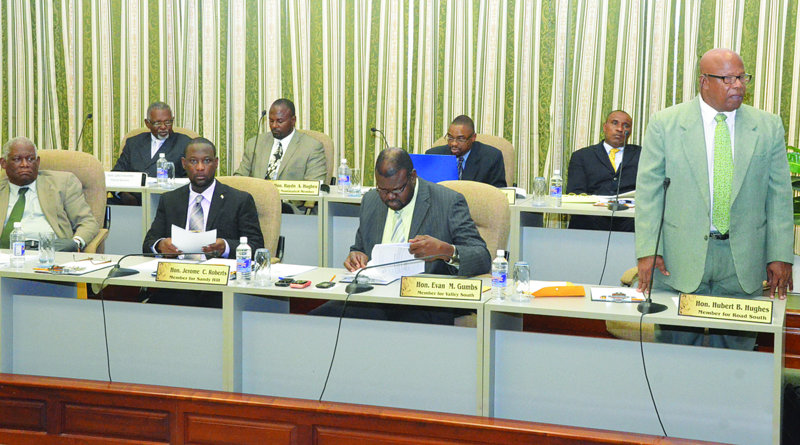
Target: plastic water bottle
pixel 17 242
pixel 161 170
pixel 500 289
pixel 344 177
pixel 244 264
pixel 556 188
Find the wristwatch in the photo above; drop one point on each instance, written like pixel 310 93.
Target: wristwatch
pixel 454 258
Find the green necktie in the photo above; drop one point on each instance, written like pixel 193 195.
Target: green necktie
pixel 16 216
pixel 723 174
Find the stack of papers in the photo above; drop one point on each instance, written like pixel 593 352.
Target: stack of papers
pixel 389 253
pixel 617 294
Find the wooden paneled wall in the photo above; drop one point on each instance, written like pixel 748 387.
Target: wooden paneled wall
pixel 42 410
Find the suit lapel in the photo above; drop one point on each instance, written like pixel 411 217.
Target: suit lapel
pixel 217 204
pixel 421 209
pixel 473 162
pixel 602 157
pixel 692 128
pixel 290 151
pixel 45 191
pixel 261 155
pixel 746 140
pixel 145 142
pixel 629 157
pixel 4 192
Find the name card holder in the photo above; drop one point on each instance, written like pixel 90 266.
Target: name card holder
pixel 438 287
pixel 725 308
pixel 309 188
pixel 511 195
pixel 125 179
pixel 217 274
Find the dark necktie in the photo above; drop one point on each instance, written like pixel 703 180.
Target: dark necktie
pixel 460 166
pixel 15 216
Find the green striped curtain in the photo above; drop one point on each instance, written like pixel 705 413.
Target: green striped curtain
pixel 541 73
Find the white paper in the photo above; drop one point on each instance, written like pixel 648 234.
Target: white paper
pixel 193 242
pixel 389 253
pixel 288 270
pixel 151 266
pixel 616 294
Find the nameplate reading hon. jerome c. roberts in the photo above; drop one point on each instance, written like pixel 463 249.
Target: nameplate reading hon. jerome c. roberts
pixel 438 287
pixel 725 308
pixel 193 273
pixel 310 188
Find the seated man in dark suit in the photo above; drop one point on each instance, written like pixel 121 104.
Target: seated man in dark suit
pixel 204 204
pixel 476 161
pixel 141 152
pixel 591 171
pixel 433 219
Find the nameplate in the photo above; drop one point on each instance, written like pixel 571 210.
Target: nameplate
pixel 437 287
pixel 125 179
pixel 725 308
pixel 511 195
pixel 193 273
pixel 310 188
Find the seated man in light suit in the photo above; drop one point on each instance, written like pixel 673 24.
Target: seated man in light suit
pixel 591 172
pixel 477 162
pixel 204 204
pixel 46 201
pixel 433 219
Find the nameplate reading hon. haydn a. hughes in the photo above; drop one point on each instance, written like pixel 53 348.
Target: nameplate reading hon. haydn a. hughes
pixel 193 273
pixel 725 308
pixel 310 188
pixel 437 287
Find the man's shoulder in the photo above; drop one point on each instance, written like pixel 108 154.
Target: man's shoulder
pixel 305 140
pixel 181 138
pixel 486 149
pixel 439 150
pixel 585 151
pixel 56 176
pixel 758 116
pixel 139 139
pixel 437 192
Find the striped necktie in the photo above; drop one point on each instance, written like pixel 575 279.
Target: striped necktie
pixel 397 234
pixel 723 175
pixel 196 220
pixel 460 166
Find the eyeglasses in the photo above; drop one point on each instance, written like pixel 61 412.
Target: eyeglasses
pixel 206 161
pixel 395 192
pixel 161 123
pixel 95 260
pixel 729 80
pixel 460 139
pixel 19 159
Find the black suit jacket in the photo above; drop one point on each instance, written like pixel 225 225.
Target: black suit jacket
pixel 439 212
pixel 590 172
pixel 232 212
pixel 484 164
pixel 136 157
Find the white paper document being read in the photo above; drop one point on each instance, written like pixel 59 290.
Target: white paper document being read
pixel 192 242
pixel 389 253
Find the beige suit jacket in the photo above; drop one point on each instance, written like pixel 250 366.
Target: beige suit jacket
pixel 304 158
pixel 63 204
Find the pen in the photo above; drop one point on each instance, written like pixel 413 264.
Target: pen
pixel 333 277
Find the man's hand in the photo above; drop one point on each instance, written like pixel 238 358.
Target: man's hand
pixel 215 249
pixel 645 265
pixel 356 260
pixel 424 245
pixel 165 246
pixel 779 276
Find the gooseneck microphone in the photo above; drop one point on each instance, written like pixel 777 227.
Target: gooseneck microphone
pixel 647 306
pixel 616 206
pixel 118 271
pixel 83 127
pixel 375 130
pixel 258 128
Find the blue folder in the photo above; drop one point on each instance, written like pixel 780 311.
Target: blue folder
pixel 435 168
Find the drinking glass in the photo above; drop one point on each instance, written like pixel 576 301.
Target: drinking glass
pixel 539 191
pixel 170 167
pixel 262 265
pixel 47 251
pixel 522 278
pixel 355 182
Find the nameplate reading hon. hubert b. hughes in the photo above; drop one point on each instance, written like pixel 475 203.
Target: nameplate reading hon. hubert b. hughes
pixel 438 287
pixel 725 308
pixel 193 273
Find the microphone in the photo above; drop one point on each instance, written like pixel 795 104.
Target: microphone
pixel 258 128
pixel 83 127
pixel 375 130
pixel 647 306
pixel 616 206
pixel 356 288
pixel 118 271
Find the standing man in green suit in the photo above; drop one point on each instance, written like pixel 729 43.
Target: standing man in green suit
pixel 728 223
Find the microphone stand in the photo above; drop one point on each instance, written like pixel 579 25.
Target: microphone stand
pixel 258 128
pixel 616 206
pixel 375 130
pixel 356 288
pixel 83 127
pixel 118 271
pixel 647 306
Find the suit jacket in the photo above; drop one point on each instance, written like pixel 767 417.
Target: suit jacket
pixel 232 212
pixel 761 219
pixel 136 157
pixel 303 159
pixel 439 212
pixel 63 204
pixel 591 172
pixel 484 164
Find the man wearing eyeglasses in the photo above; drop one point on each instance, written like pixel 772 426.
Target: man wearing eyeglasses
pixel 728 223
pixel 433 219
pixel 476 161
pixel 43 201
pixel 141 152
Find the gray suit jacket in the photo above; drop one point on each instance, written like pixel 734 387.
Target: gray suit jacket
pixel 761 221
pixel 439 212
pixel 63 204
pixel 304 158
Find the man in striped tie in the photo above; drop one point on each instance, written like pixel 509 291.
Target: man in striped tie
pixel 728 223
